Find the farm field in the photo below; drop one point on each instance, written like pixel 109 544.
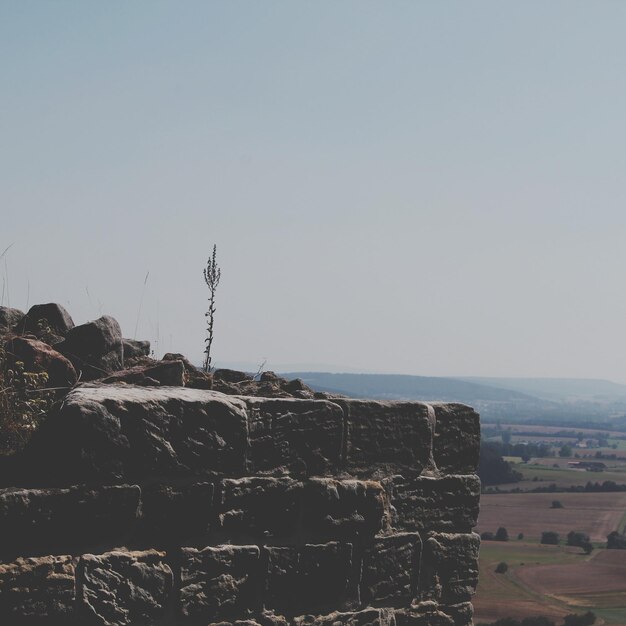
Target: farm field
pixel 551 581
pixel 541 473
pixel 596 514
pixel 517 428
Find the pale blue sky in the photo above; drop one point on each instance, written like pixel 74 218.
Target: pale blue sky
pixel 431 188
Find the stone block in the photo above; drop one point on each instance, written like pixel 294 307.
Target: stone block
pixel 422 614
pixel 45 521
pixel 220 582
pixel 456 444
pixel 344 509
pixel 172 514
pixel 110 433
pixel 391 570
pixel 37 591
pixel 120 588
pixel 449 571
pixel 301 437
pixel 367 617
pixel 313 577
pixel 446 504
pixel 386 435
pixel 461 614
pixel 259 506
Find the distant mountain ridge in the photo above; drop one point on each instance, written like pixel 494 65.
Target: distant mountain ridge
pixel 559 401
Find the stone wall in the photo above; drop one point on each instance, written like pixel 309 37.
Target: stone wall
pixel 179 506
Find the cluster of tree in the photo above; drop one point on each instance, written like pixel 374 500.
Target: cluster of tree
pixel 573 619
pixel 604 487
pixel 616 541
pixel 579 539
pixel 524 450
pixel 500 535
pixel 493 469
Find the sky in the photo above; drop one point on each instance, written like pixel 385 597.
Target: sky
pixel 430 188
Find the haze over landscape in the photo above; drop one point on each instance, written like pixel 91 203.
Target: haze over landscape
pixel 417 188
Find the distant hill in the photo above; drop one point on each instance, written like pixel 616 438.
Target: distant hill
pixel 551 401
pixel 560 389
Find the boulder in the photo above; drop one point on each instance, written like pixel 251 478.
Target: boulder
pixel 51 314
pixel 134 348
pixel 168 373
pixel 95 348
pixel 9 319
pixel 231 376
pixel 38 356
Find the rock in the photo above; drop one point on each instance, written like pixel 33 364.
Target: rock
pixel 194 377
pixel 168 373
pixel 344 509
pixel 122 433
pixel 231 376
pixel 456 443
pixel 48 521
pixel 9 319
pixel 386 434
pixel 367 617
pixel 423 614
pixel 312 577
pixel 302 437
pixel 52 315
pixel 119 588
pixel 38 356
pixel 271 377
pixel 95 348
pixel 174 514
pixel 260 507
pixel 461 614
pixel 37 591
pixel 222 581
pixel 449 572
pixel 448 504
pixel 391 569
pixel 133 349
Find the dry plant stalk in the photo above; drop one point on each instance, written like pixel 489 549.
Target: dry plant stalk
pixel 212 275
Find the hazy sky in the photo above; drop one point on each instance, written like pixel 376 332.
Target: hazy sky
pixel 432 188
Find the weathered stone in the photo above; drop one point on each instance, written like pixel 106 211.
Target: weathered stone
pixel 456 443
pixel 117 433
pixel 367 617
pixel 260 507
pixel 9 318
pixel 461 614
pixel 119 588
pixel 231 376
pixel 340 509
pixel 220 582
pixel 313 577
pixel 132 348
pixel 37 591
pixel 168 373
pixel 38 356
pixel 95 348
pixel 423 614
pixel 51 314
pixel 449 571
pixel 449 503
pixel 391 569
pixel 303 437
pixel 284 586
pixel 386 434
pixel 325 572
pixel 45 521
pixel 172 515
